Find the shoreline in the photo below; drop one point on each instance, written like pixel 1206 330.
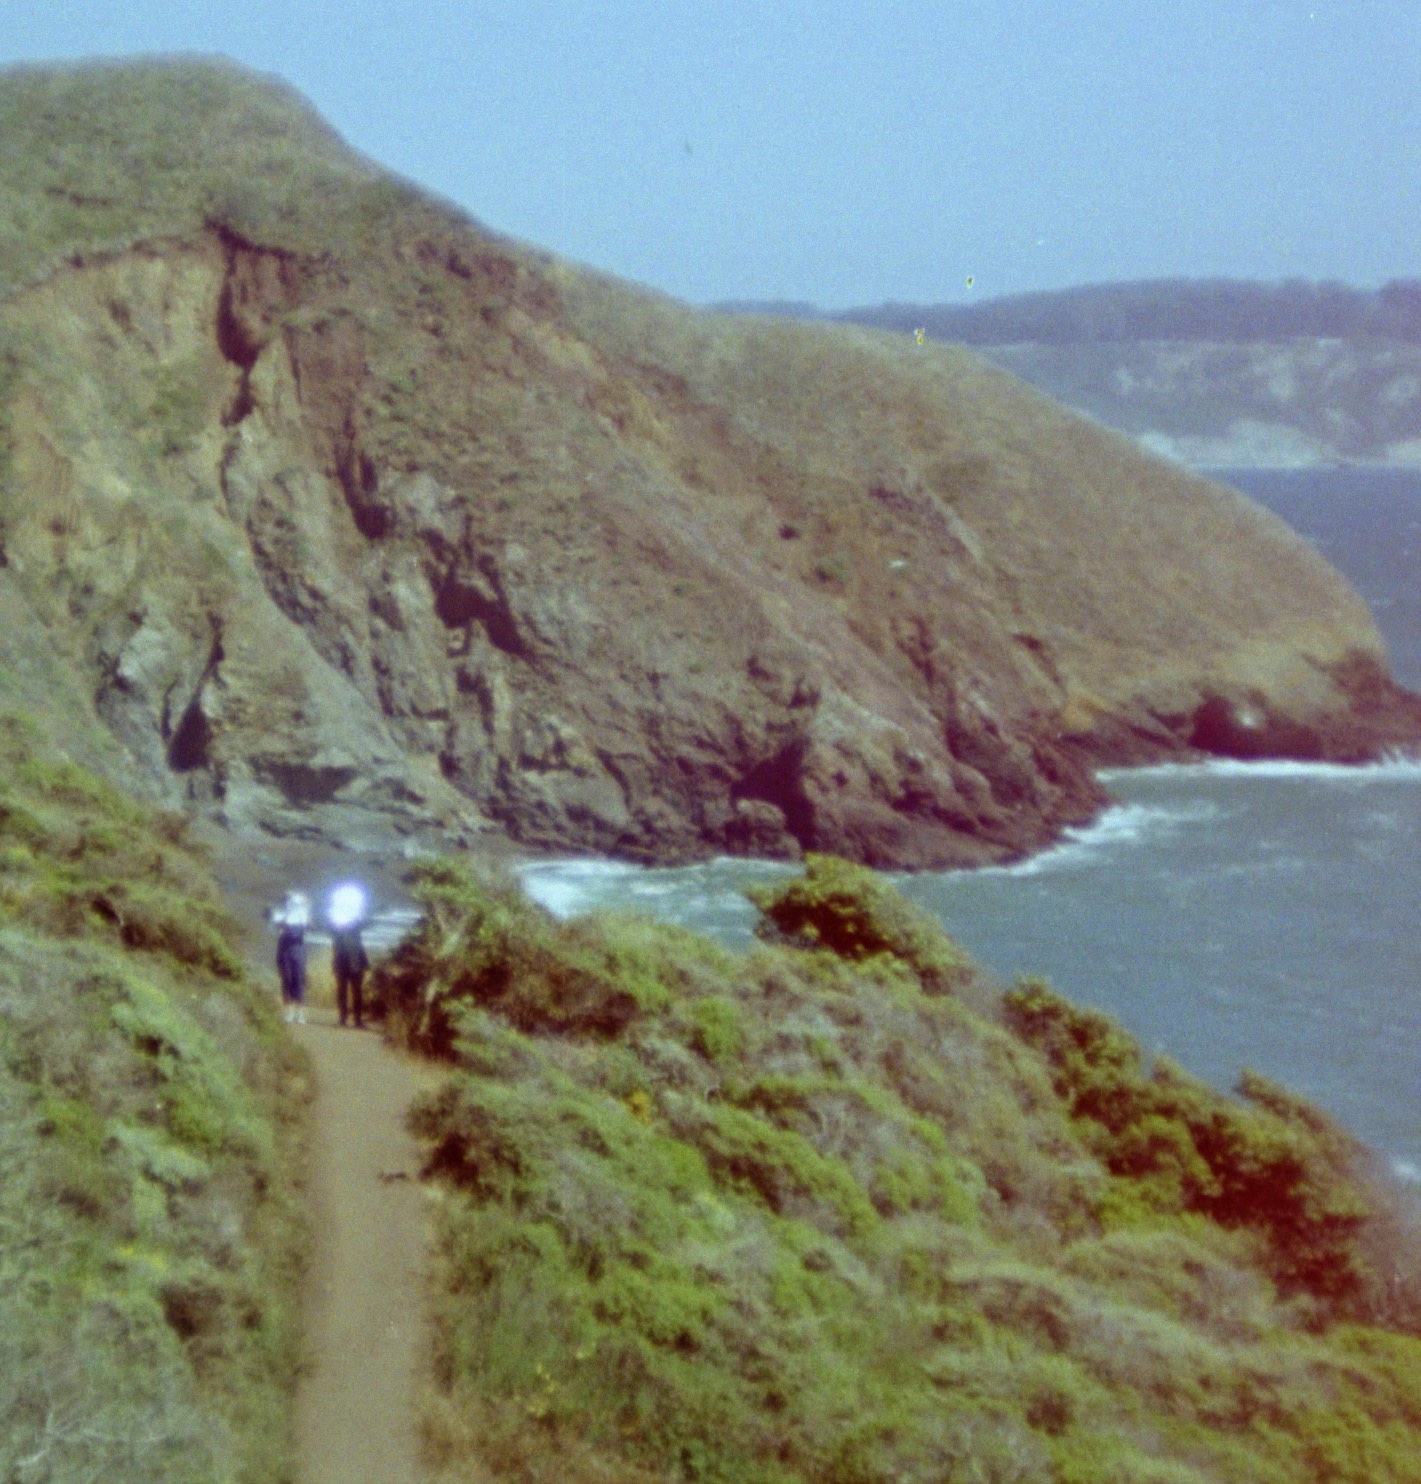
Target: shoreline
pixel 1213 469
pixel 244 874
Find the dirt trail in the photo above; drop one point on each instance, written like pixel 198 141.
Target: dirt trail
pixel 365 1341
pixel 365 1335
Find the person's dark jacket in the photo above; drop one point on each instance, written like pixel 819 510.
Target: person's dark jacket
pixel 291 958
pixel 348 953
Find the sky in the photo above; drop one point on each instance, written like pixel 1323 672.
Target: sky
pixel 852 154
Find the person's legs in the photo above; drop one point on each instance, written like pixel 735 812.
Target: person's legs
pixel 288 992
pixel 357 984
pixel 342 988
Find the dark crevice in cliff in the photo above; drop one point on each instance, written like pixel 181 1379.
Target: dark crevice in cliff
pixel 360 483
pixel 304 785
pixel 779 780
pixel 256 282
pixel 189 747
pixel 234 339
pixel 241 405
pixel 467 596
pixel 239 350
pixel 190 740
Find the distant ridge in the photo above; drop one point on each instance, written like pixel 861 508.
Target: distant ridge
pixel 1210 372
pixel 1234 311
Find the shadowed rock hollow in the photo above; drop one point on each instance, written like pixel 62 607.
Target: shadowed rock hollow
pixel 344 517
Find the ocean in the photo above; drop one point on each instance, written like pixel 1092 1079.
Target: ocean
pixel 1263 915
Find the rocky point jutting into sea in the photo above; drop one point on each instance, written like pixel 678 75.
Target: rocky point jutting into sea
pixel 329 512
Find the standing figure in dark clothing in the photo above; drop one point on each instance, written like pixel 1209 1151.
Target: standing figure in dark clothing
pixel 349 961
pixel 292 920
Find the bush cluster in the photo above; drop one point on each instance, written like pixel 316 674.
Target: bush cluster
pixel 838 1211
pixel 1273 1164
pixel 856 915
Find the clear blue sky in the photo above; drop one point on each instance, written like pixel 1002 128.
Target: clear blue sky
pixel 852 153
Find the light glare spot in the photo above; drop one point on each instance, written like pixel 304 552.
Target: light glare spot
pixel 347 905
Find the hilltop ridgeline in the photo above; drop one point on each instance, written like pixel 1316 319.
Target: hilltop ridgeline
pixel 1217 373
pixel 325 511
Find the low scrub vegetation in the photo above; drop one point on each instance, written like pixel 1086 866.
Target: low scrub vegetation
pixel 148 1242
pixel 841 1211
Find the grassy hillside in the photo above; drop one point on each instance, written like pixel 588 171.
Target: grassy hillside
pixel 348 519
pixel 1220 373
pixel 101 157
pixel 844 1212
pixel 149 1240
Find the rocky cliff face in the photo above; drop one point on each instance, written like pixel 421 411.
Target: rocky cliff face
pixel 414 531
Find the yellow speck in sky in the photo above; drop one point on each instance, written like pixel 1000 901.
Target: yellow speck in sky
pixel 969 281
pixel 920 336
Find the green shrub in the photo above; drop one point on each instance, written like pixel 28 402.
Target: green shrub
pixel 719 1033
pixel 780 1168
pixel 1276 1168
pixel 855 914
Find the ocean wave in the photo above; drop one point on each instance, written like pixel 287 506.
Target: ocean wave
pixel 1122 827
pixel 1395 767
pixel 568 887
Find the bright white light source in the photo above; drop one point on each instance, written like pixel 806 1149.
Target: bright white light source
pixel 347 905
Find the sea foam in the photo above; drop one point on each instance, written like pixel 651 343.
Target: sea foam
pixel 1395 767
pixel 1120 828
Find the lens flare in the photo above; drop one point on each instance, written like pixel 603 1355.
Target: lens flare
pixel 347 905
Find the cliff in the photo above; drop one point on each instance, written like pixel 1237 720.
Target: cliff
pixel 327 512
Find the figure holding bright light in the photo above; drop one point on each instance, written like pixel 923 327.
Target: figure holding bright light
pixel 346 911
pixel 292 919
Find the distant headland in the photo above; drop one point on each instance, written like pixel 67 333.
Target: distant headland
pixel 1212 373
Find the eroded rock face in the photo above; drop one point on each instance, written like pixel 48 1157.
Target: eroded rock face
pixel 459 543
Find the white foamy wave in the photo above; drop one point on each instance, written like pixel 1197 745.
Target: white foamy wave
pixel 566 888
pixel 1120 828
pixel 1398 767
pixel 391 926
pixel 651 890
pixel 1407 1170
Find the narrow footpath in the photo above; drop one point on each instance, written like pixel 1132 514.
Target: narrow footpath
pixel 356 1407
pixel 365 1343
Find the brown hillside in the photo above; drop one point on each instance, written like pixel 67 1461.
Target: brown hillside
pixel 347 518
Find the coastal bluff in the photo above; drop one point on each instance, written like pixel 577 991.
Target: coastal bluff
pixel 327 512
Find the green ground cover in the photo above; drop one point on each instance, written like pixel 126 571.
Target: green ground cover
pixel 842 1211
pixel 99 156
pixel 149 1240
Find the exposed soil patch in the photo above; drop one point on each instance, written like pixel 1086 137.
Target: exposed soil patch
pixel 356 1408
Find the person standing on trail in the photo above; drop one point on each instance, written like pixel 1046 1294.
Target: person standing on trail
pixel 349 961
pixel 292 919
